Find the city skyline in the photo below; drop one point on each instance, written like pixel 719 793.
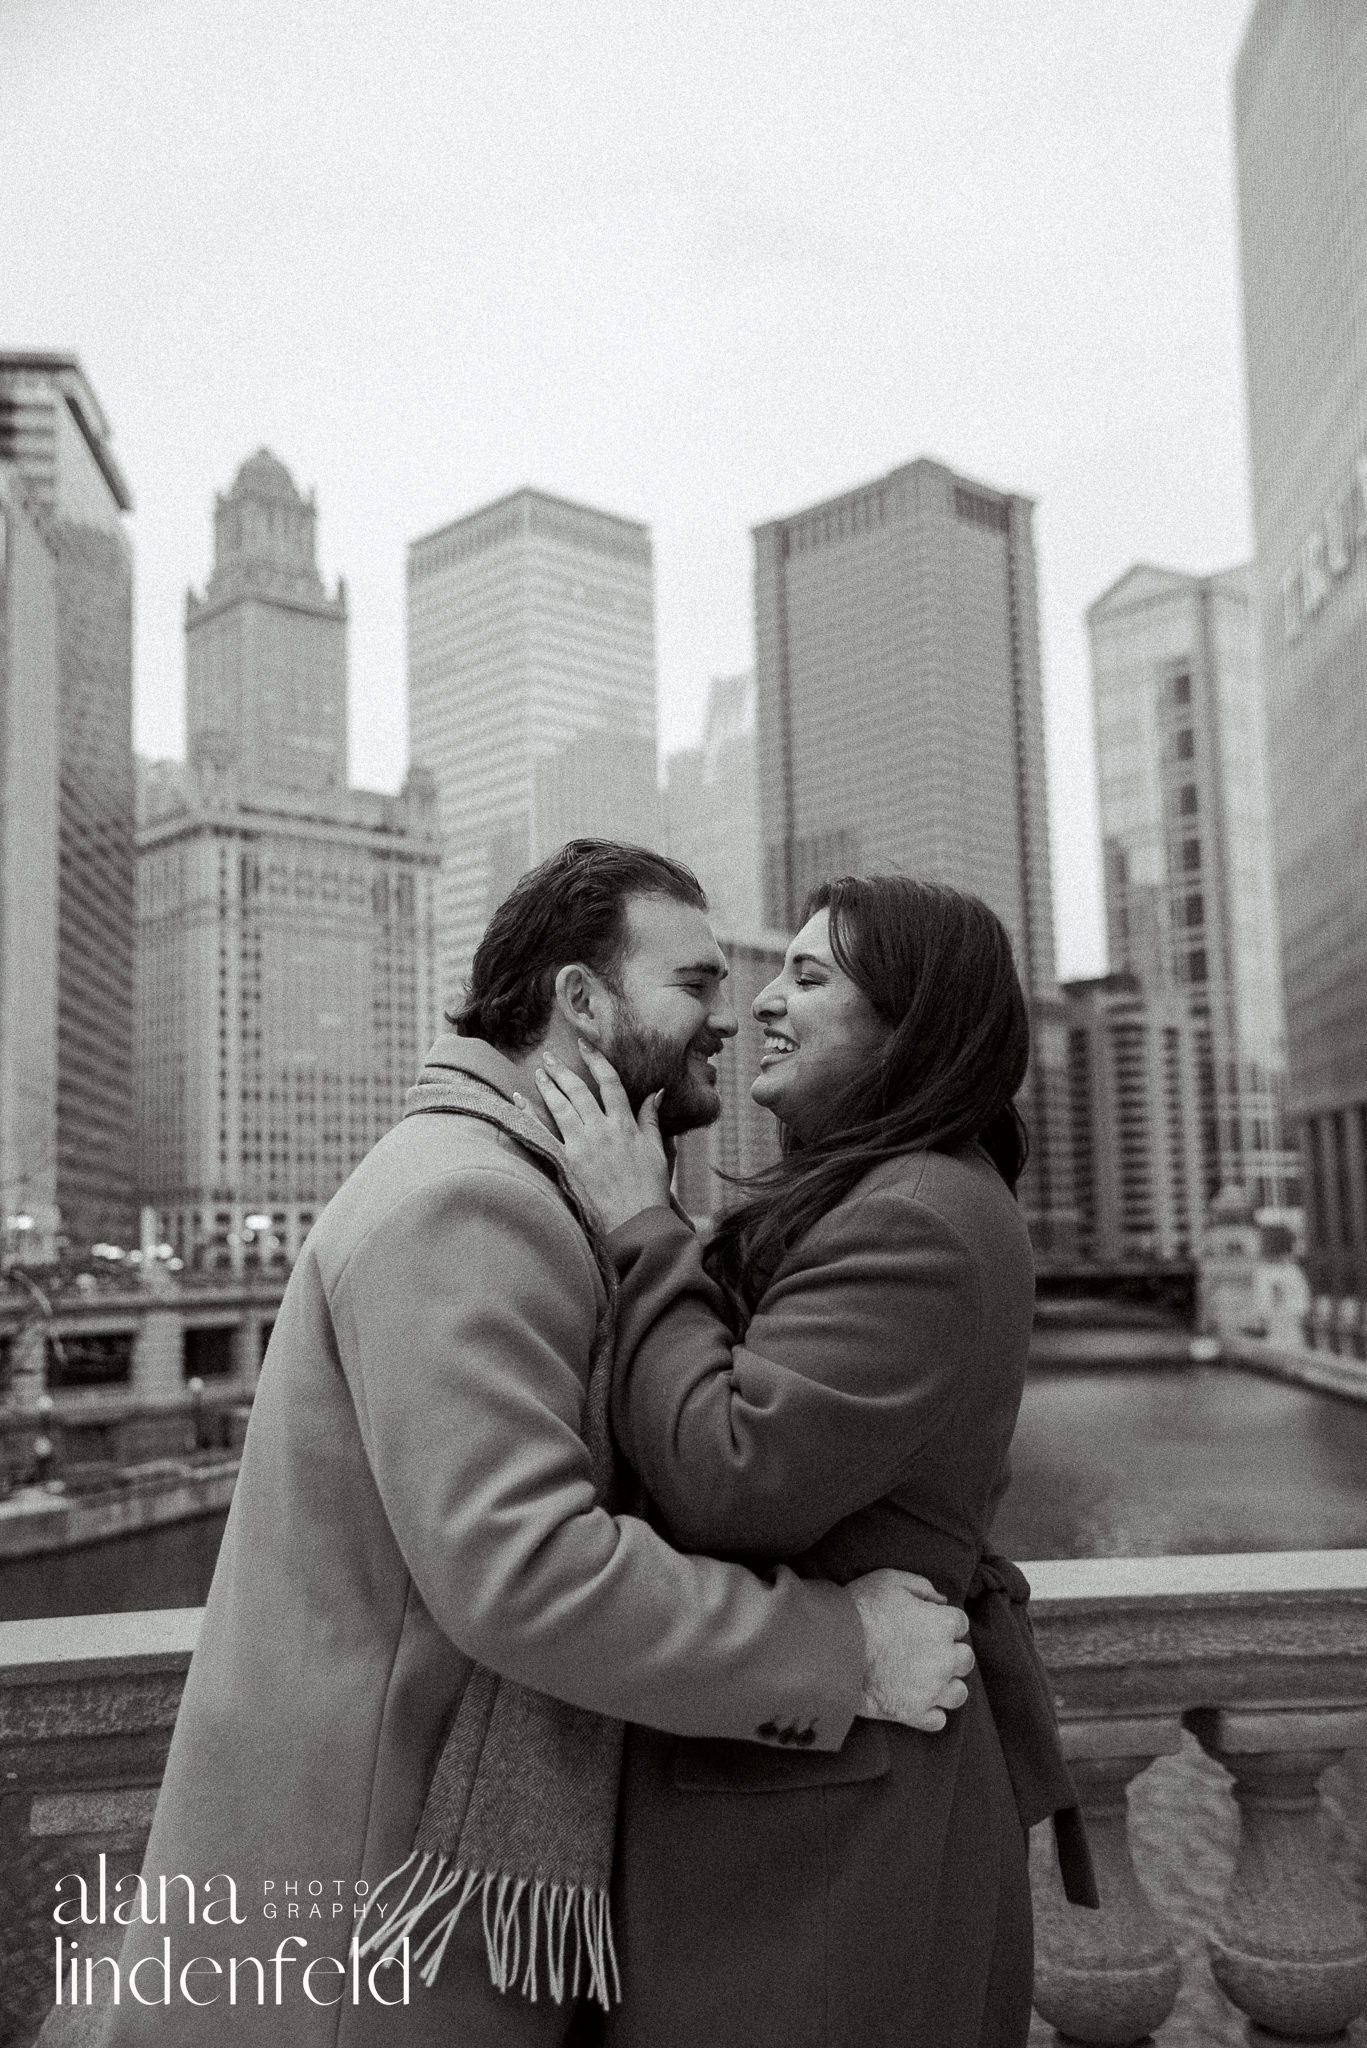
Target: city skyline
pixel 602 282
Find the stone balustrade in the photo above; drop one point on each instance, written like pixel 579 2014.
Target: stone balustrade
pixel 1261 1661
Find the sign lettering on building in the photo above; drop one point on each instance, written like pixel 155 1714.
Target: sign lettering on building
pixel 1326 554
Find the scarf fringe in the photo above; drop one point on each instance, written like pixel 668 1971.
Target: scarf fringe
pixel 436 1881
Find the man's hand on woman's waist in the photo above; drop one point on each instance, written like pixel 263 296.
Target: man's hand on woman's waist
pixel 917 1655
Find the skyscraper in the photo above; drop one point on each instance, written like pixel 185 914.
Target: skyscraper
pixel 900 712
pixel 711 806
pixel 67 788
pixel 531 689
pixel 1190 905
pixel 1300 99
pixel 1134 1091
pixel 265 646
pixel 901 726
pixel 285 922
pixel 29 889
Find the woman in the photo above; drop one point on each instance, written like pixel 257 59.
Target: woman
pixel 834 1383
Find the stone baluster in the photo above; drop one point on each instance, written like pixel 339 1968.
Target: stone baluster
pixel 1290 1948
pixel 1109 1977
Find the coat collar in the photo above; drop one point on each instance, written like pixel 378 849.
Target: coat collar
pixel 473 1056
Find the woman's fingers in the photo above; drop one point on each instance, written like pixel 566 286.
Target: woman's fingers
pixel 567 1117
pixel 570 1084
pixel 610 1088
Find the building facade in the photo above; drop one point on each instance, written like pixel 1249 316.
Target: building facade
pixel 286 923
pixel 531 688
pixel 1300 100
pixel 1134 1101
pixel 901 726
pixel 67 787
pixel 1187 860
pixel 29 884
pixel 711 806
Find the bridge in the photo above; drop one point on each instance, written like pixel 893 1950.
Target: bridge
pixel 1214 1710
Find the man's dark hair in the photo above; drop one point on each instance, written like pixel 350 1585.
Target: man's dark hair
pixel 571 908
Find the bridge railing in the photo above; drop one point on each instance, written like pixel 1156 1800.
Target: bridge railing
pixel 1260 1660
pixel 1263 1660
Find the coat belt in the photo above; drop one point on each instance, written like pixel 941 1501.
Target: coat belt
pixel 1021 1699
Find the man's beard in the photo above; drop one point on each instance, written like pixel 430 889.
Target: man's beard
pixel 646 1060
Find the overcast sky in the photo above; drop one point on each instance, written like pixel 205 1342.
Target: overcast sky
pixel 696 263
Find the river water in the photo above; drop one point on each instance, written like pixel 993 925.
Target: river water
pixel 1106 1463
pixel 1163 1463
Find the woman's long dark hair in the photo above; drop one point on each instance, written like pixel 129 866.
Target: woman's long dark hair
pixel 936 965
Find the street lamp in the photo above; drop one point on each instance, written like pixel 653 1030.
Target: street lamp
pixel 30 1366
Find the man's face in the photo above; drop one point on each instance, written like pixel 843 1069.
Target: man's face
pixel 671 1017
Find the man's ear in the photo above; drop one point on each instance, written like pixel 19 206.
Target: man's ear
pixel 581 999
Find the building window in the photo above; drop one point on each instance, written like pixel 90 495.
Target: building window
pixel 1184 743
pixel 1186 800
pixel 1196 964
pixel 1191 856
pixel 1181 689
pixel 1195 909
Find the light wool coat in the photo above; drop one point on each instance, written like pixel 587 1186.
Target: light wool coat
pixel 415 1494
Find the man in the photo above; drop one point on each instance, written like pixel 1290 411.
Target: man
pixel 423 1606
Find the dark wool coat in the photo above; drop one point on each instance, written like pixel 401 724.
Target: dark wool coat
pixel 415 1493
pixel 877 1898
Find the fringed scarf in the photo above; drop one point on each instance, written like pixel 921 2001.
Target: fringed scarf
pixel 522 1808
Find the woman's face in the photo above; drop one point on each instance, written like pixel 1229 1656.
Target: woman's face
pixel 820 1030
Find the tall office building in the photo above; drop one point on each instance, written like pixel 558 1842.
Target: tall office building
pixel 901 725
pixel 1190 903
pixel 66 783
pixel 1300 99
pixel 1134 1094
pixel 285 922
pixel 531 690
pixel 711 805
pixel 29 887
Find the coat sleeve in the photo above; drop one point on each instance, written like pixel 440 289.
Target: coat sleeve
pixel 855 1359
pixel 464 1322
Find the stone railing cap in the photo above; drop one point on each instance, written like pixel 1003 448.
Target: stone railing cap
pixel 88 1645
pixel 1256 1575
